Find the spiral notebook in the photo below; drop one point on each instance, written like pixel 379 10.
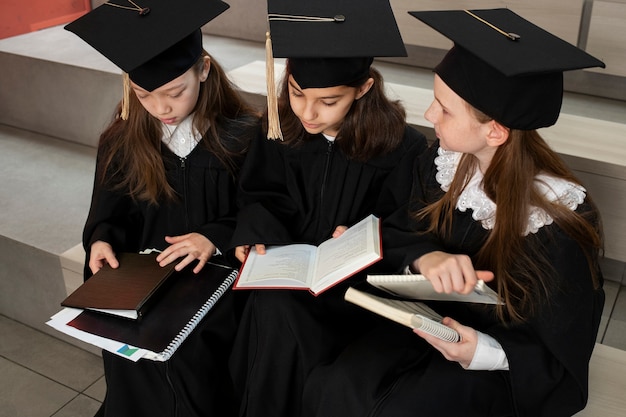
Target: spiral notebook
pixel 413 314
pixel 170 320
pixel 418 287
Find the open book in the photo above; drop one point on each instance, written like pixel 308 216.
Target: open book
pixel 126 291
pixel 314 268
pixel 418 287
pixel 413 314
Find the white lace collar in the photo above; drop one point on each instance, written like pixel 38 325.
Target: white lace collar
pixel 484 209
pixel 183 139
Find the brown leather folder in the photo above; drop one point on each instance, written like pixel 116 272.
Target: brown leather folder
pixel 125 291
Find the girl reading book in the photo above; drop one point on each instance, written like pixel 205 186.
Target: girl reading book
pixel 342 137
pixel 491 201
pixel 165 179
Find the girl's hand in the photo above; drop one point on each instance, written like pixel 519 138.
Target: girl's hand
pixel 191 246
pixel 339 231
pixel 462 351
pixel 450 273
pixel 241 252
pixel 101 253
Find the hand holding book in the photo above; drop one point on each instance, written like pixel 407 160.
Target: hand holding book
pixel 412 314
pixel 450 272
pixel 418 287
pixel 173 315
pixel 313 268
pixel 125 291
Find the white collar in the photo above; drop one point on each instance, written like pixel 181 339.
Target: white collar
pixel 328 137
pixel 483 208
pixel 183 139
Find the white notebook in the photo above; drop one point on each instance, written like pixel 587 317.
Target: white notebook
pixel 413 314
pixel 418 287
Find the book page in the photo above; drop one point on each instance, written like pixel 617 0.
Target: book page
pixel 129 314
pixel 355 248
pixel 281 266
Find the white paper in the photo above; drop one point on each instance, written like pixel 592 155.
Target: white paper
pixel 59 322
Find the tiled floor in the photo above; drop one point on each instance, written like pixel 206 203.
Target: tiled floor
pixel 42 376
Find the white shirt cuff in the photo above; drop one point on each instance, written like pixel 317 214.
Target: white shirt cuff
pixel 489 355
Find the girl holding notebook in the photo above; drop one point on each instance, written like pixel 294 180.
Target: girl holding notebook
pixel 165 179
pixel 491 201
pixel 341 139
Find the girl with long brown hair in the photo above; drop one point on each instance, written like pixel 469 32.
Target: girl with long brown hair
pixel 342 137
pixel 166 179
pixel 490 201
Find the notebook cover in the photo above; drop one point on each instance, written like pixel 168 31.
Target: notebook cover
pixel 418 287
pixel 167 316
pixel 128 287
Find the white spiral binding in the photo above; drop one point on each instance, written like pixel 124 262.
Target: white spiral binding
pixel 191 325
pixel 438 330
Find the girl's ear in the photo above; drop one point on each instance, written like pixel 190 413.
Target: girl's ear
pixel 206 67
pixel 364 88
pixel 497 134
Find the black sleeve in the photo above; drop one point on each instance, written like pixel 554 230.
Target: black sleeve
pixel 263 199
pixel 403 237
pixel 113 218
pixel 549 355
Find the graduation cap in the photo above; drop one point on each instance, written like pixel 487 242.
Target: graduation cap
pixel 329 42
pixel 504 65
pixel 153 41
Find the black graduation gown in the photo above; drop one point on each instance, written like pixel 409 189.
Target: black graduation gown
pixel 390 371
pixel 195 381
pixel 299 194
pixel 206 205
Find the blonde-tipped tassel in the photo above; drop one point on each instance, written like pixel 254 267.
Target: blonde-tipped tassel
pixel 273 121
pixel 126 96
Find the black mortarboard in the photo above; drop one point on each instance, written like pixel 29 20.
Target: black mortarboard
pixel 332 42
pixel 328 42
pixel 154 41
pixel 505 66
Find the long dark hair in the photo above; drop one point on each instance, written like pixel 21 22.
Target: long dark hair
pixel 523 274
pixel 373 126
pixel 130 150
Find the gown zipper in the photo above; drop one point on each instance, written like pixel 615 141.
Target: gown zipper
pixel 327 164
pixel 329 151
pixel 183 167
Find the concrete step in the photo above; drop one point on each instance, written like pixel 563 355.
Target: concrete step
pixel 55 84
pixel 44 199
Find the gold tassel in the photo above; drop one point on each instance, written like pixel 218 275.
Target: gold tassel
pixel 273 121
pixel 126 96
